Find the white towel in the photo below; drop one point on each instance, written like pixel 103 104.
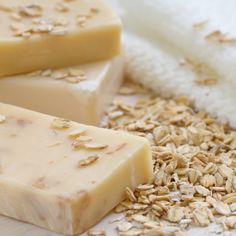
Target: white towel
pixel 155 61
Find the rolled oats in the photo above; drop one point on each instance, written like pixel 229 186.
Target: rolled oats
pixel 194 163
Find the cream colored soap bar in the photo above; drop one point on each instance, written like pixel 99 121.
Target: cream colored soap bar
pixel 62 175
pixel 79 93
pixel 39 34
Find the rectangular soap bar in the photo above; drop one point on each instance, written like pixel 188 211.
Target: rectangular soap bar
pixel 79 93
pixel 40 34
pixel 62 175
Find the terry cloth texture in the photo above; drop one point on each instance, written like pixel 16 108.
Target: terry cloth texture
pixel 168 32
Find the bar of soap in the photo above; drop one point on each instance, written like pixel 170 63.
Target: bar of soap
pixel 79 93
pixel 55 33
pixel 62 175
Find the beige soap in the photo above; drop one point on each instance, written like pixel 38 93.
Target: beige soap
pixel 62 175
pixel 79 93
pixel 40 34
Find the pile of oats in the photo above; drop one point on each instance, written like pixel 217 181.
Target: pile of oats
pixel 194 163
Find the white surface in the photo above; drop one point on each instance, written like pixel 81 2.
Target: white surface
pixel 10 227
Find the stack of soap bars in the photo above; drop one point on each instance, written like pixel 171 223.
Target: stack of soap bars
pixel 63 58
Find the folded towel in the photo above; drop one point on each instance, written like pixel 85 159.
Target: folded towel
pixel 159 70
pixel 204 30
pixel 174 54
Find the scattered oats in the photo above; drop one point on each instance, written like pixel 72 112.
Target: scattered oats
pixel 59 123
pixel 187 189
pixel 144 187
pixel 160 133
pixel 39 183
pixel 115 115
pixel 206 82
pixel 17 26
pixel 202 190
pixel 124 226
pixel 137 206
pixel 151 224
pixel 233 206
pixel 46 72
pixel 62 7
pixel 140 218
pixel 208 180
pixel 59 30
pixel 174 196
pixel 96 232
pixel 34 73
pixel 32 10
pixel 217 189
pixel 95 145
pixel 218 36
pixel 15 16
pixel 72 80
pixel 225 171
pixel 222 208
pixel 201 216
pixel 39 29
pixel 117 219
pixel 186 221
pixel 60 22
pixel 231 222
pixel 215 35
pixel 219 179
pixel 94 10
pixel 84 138
pixel 210 168
pixel 2 119
pixel 194 175
pixel 59 74
pixel 82 19
pixel 23 34
pixel 120 208
pixel 175 213
pixel 76 133
pixel 77 144
pixel 88 161
pixel 116 148
pixel 76 72
pixel 130 195
pixel 210 200
pixel 198 204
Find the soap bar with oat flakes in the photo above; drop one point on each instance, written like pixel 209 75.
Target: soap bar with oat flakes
pixel 62 175
pixel 80 93
pixel 55 33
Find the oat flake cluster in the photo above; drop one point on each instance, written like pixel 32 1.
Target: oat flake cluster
pixel 37 23
pixel 194 162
